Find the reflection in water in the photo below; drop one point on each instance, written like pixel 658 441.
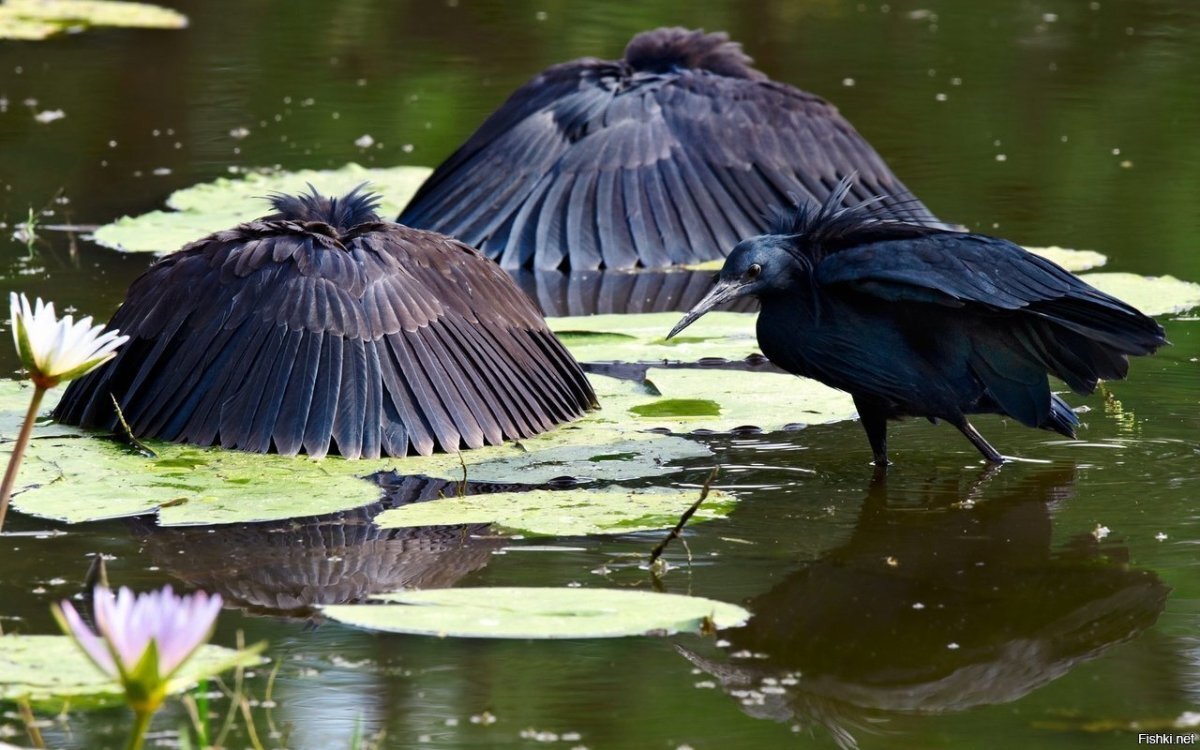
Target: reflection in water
pixel 292 567
pixel 931 609
pixel 563 294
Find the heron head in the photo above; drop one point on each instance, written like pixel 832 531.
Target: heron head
pixel 755 267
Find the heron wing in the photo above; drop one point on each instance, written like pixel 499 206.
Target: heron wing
pixel 1040 310
pixel 589 166
pixel 957 269
pixel 391 340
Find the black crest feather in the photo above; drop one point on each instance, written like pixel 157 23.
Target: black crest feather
pixel 830 226
pixel 664 49
pixel 354 208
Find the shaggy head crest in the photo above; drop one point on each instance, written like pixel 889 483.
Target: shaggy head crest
pixel 354 208
pixel 662 50
pixel 821 229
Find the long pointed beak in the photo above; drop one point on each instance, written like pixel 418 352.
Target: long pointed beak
pixel 724 291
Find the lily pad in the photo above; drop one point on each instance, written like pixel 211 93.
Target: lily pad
pixel 541 613
pixel 224 203
pixel 643 337
pixel 1072 260
pixel 90 478
pixel 77 476
pixel 50 669
pixel 578 512
pixel 14 403
pixel 32 20
pixel 767 400
pixel 1153 295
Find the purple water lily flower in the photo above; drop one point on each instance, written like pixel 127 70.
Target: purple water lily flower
pixel 128 626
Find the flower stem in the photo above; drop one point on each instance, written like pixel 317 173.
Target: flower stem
pixel 14 462
pixel 141 722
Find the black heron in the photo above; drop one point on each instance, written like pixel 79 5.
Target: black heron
pixel 609 163
pixel 321 327
pixel 920 321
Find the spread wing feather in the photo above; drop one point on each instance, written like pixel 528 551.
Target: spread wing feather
pixel 595 164
pixel 287 336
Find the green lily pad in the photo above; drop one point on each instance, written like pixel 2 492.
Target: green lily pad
pixel 77 477
pixel 767 400
pixel 1153 295
pixel 540 613
pixel 223 203
pixel 32 20
pixel 50 669
pixel 89 478
pixel 643 337
pixel 677 407
pixel 1072 260
pixel 577 512
pixel 14 402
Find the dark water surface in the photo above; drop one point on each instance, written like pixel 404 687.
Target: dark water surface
pixel 945 606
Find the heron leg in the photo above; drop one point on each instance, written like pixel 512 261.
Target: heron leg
pixel 874 420
pixel 981 445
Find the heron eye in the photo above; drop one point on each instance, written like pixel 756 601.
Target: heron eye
pixel 753 271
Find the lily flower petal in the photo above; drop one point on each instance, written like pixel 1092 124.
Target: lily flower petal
pixel 54 350
pixel 131 626
pixel 93 645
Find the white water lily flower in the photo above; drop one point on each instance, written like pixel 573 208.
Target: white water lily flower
pixel 54 350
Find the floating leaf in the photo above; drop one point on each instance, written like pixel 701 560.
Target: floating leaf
pixel 677 407
pixel 76 476
pixel 767 400
pixel 50 669
pixel 643 337
pixel 1153 295
pixel 539 613
pixel 576 512
pixel 90 478
pixel 31 20
pixel 14 403
pixel 224 203
pixel 1072 260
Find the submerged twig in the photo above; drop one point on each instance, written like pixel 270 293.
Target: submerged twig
pixel 683 519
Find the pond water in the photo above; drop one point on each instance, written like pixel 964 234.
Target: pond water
pixel 942 606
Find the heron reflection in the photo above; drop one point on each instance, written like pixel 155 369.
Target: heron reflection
pixel 293 567
pixel 944 599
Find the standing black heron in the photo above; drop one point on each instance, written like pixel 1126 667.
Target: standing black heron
pixel 611 163
pixel 919 321
pixel 323 328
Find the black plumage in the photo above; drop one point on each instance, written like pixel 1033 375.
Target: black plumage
pixel 666 156
pixel 322 328
pixel 914 320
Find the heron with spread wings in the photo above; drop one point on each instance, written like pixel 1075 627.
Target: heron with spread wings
pixel 323 328
pixel 668 156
